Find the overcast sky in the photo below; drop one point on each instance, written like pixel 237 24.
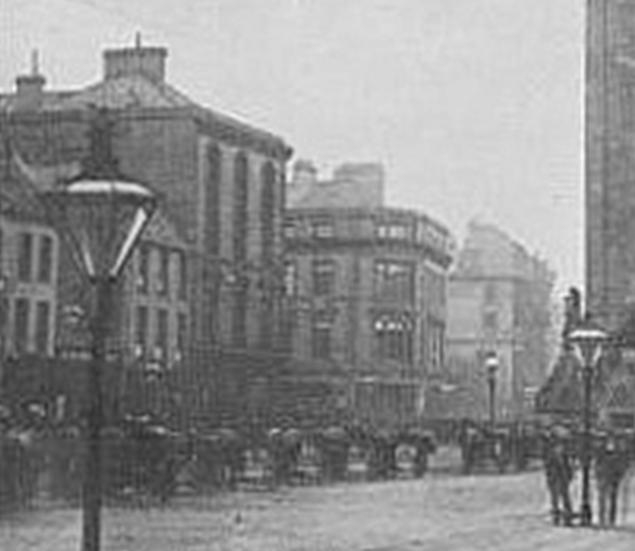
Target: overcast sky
pixel 473 106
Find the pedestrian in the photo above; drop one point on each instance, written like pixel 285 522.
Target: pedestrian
pixel 559 473
pixel 611 465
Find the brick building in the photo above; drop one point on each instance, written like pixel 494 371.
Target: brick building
pixel 365 289
pixel 499 300
pixel 221 185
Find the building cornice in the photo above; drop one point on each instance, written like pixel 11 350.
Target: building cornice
pixel 369 246
pixel 380 213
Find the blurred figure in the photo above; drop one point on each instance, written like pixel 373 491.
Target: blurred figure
pixel 611 465
pixel 559 473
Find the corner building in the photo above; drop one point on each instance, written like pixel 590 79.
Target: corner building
pixel 221 182
pixel 499 301
pixel 366 288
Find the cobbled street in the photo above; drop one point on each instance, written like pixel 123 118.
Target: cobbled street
pixel 441 512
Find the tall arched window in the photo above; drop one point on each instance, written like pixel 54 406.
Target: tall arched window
pixel 267 228
pixel 212 200
pixel 241 206
pixel 212 239
pixel 268 209
pixel 240 236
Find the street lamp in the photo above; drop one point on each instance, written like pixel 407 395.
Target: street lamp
pixel 492 365
pixel 101 222
pixel 587 341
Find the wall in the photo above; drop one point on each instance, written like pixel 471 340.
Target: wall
pixel 610 136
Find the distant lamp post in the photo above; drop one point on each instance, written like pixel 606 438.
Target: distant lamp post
pixel 492 365
pixel 100 221
pixel 587 341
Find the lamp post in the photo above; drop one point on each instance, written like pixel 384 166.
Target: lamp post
pixel 101 221
pixel 587 341
pixel 492 365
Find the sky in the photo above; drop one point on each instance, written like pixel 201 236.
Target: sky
pixel 473 106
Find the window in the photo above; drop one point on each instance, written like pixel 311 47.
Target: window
pixel 163 283
pixel 322 229
pixel 141 330
pixel 182 275
pixel 161 335
pixel 46 259
pixel 394 281
pixel 266 329
pixel 490 320
pixel 181 334
pixel 321 338
pixel 42 318
pixel 239 319
pixel 268 209
pixel 435 291
pixel 290 279
pixel 323 277
pixel 212 200
pixel 143 268
pixel 289 229
pixel 390 230
pixel 25 256
pixel 490 293
pixel 241 206
pixel 436 350
pixel 393 337
pixel 21 325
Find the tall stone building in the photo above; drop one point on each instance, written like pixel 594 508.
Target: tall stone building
pixel 610 210
pixel 366 289
pixel 499 301
pixel 221 184
pixel 610 159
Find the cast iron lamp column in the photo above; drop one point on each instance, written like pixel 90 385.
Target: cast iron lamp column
pixel 491 365
pixel 587 343
pixel 101 222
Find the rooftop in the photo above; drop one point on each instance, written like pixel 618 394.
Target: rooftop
pixel 134 78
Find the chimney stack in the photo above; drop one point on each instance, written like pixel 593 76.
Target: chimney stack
pixel 29 88
pixel 139 60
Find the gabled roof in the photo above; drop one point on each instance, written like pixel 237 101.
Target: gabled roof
pixel 137 91
pixel 125 92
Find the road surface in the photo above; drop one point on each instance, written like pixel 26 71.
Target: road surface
pixel 441 512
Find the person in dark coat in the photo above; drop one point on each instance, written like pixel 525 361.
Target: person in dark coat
pixel 611 465
pixel 559 473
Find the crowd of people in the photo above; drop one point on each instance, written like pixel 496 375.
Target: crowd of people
pixel 142 456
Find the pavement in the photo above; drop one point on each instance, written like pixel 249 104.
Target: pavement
pixel 484 511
